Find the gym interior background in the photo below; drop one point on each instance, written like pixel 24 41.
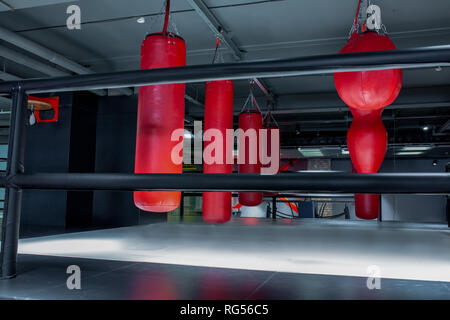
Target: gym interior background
pixel 310 244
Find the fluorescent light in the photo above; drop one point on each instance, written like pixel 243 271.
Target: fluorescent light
pixel 426 128
pixel 409 153
pixel 416 148
pixel 310 152
pixel 345 151
pixel 141 20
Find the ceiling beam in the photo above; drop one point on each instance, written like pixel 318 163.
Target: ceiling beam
pixel 8 77
pixel 31 63
pixel 217 28
pixel 5 103
pixel 47 54
pixel 34 64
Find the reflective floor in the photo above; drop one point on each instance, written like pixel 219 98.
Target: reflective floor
pixel 343 248
pixel 44 277
pixel 245 259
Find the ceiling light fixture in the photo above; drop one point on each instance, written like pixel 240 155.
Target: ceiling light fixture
pixel 409 153
pixel 416 148
pixel 141 20
pixel 311 152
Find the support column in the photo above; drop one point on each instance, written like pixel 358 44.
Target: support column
pixel 13 195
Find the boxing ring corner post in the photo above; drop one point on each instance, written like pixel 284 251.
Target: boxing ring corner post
pixel 13 194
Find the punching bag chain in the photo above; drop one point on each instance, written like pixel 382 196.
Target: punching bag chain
pixel 166 18
pixel 251 102
pixel 268 118
pixel 215 51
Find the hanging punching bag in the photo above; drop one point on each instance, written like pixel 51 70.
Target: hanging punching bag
pixel 160 112
pixel 367 143
pixel 250 120
pixel 367 93
pixel 218 116
pixel 368 90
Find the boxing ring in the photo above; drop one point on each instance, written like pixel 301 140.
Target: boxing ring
pixel 15 179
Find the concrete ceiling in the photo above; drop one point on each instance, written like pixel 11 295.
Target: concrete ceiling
pixel 110 38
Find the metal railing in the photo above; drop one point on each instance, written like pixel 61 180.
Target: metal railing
pixel 15 180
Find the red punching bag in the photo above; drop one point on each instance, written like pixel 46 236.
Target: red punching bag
pixel 367 144
pixel 160 112
pixel 367 93
pixel 368 90
pixel 218 116
pixel 250 120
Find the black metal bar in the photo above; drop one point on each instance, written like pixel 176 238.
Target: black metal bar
pixel 448 211
pixel 274 208
pixel 410 58
pixel 436 183
pixel 182 206
pixel 380 216
pixel 13 194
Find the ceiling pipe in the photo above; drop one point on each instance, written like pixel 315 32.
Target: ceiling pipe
pixel 34 64
pixel 31 63
pixel 5 103
pixel 8 77
pixel 47 54
pixel 54 72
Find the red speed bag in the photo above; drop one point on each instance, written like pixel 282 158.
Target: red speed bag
pixel 249 143
pixel 269 129
pixel 160 112
pixel 368 90
pixel 218 117
pixel 367 143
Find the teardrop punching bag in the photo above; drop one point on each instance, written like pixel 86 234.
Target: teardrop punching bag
pixel 367 93
pixel 160 112
pixel 250 120
pixel 367 144
pixel 218 116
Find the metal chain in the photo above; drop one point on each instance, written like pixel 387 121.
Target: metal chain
pixel 157 17
pixel 362 14
pixel 269 116
pixel 251 99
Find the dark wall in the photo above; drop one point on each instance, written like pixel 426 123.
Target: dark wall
pixel 116 142
pixel 93 134
pixel 67 145
pixel 82 157
pixel 47 150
